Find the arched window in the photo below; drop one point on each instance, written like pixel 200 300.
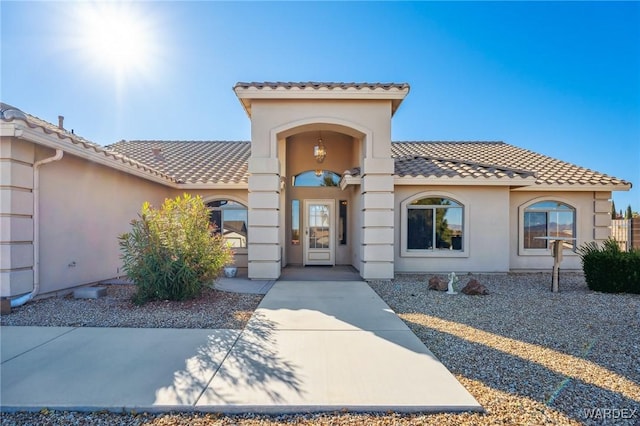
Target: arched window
pixel 435 223
pixel 548 219
pixel 230 219
pixel 324 178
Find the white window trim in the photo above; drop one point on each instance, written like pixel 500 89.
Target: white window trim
pixel 545 252
pixel 404 252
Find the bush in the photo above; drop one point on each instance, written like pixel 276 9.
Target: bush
pixel 609 269
pixel 171 253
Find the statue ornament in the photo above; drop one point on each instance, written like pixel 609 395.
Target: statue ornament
pixel 452 280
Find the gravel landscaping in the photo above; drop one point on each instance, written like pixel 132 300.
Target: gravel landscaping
pixel 215 309
pixel 529 356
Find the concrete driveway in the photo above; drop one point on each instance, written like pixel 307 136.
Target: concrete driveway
pixel 310 346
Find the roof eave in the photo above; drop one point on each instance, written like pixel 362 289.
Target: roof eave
pixel 212 185
pixel 577 187
pixel 23 131
pixel 246 95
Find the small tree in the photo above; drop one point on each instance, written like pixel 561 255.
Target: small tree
pixel 171 253
pixel 629 213
pixel 614 215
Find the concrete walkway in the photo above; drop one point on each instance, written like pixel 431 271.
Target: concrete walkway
pixel 310 346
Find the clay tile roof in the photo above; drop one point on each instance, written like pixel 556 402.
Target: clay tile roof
pixel 9 113
pixel 192 162
pixel 320 85
pixel 484 159
pixel 226 162
pixel 417 166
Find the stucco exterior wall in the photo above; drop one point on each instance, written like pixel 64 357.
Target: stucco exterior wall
pixel 274 120
pixel 590 208
pixel 16 216
pixel 83 209
pixel 487 235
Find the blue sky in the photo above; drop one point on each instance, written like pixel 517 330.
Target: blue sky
pixel 561 79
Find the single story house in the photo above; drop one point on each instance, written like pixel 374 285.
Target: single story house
pixel 319 183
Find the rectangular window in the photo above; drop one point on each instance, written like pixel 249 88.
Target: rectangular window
pixel 295 222
pixel 561 225
pixel 215 217
pixel 449 228
pixel 433 226
pixel 234 227
pixel 420 229
pixel 535 225
pixel 548 219
pixel 342 225
pixel 229 219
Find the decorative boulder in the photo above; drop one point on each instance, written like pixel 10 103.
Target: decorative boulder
pixel 474 288
pixel 437 283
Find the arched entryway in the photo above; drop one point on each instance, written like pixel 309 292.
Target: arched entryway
pixel 319 214
pixel 354 122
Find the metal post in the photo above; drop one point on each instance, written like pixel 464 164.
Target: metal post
pixel 557 258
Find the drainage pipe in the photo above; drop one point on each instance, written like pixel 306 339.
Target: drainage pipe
pixel 21 300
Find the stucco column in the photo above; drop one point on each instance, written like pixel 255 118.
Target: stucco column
pixel 16 217
pixel 601 216
pixel 264 251
pixel 376 252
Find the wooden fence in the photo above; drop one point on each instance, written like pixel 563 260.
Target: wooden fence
pixel 626 232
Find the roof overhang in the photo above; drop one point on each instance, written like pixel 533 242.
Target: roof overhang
pixel 348 180
pixel 578 187
pixel 22 130
pixel 395 92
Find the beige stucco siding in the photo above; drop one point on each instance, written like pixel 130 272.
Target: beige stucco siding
pixel 486 236
pixel 83 209
pixel 275 125
pixel 585 205
pixel 16 216
pixel 353 117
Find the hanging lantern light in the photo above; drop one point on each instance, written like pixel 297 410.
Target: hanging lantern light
pixel 319 151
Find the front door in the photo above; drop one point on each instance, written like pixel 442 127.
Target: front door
pixel 318 232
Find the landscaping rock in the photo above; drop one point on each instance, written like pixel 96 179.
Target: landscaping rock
pixel 474 288
pixel 437 283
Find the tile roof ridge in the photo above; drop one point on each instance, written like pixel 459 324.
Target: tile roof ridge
pixel 319 84
pixel 452 142
pixel 472 163
pixel 178 141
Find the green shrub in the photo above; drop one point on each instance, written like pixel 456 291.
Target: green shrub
pixel 170 253
pixel 609 269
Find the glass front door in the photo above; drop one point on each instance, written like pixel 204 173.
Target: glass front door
pixel 319 232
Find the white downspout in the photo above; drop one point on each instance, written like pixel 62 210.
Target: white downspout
pixel 19 301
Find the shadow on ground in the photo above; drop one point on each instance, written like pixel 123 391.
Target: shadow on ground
pixel 250 353
pixel 562 353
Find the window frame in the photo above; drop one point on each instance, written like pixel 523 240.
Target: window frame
pixel 405 206
pixel 522 251
pixel 335 178
pixel 235 200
